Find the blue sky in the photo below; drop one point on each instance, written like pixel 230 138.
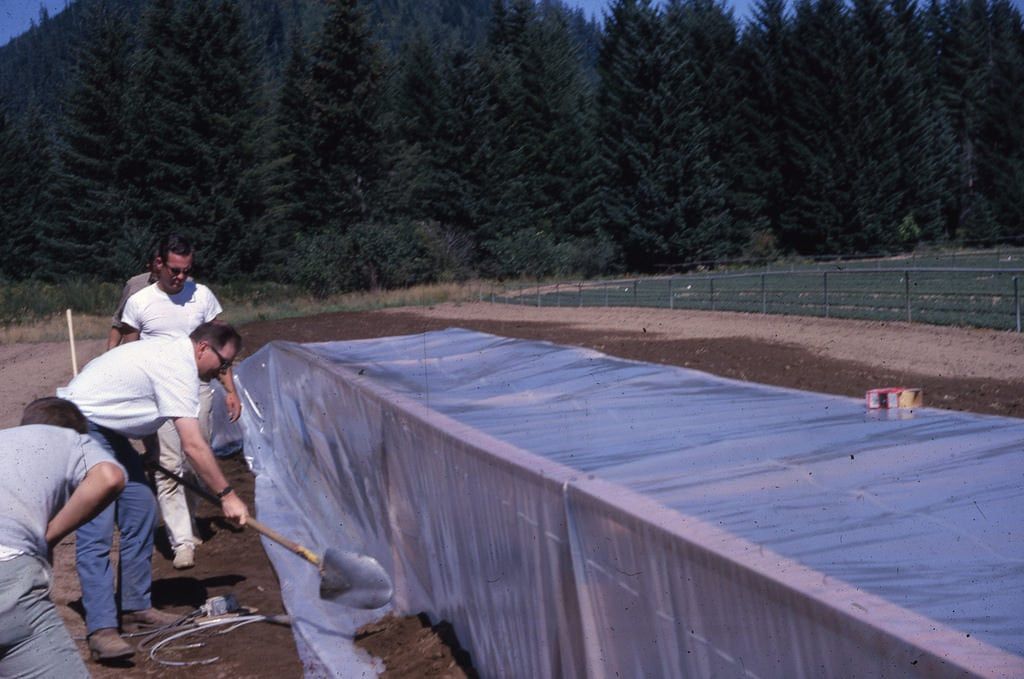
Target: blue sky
pixel 16 15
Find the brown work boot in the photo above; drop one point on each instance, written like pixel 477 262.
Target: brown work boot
pixel 148 618
pixel 107 644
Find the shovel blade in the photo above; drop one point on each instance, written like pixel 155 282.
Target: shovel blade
pixel 354 579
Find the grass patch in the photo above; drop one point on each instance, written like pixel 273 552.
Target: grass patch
pixel 45 321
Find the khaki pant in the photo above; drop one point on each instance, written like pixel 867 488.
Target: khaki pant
pixel 176 504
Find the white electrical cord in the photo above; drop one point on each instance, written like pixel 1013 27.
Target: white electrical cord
pixel 202 625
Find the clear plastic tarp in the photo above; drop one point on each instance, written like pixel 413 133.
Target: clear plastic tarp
pixel 574 514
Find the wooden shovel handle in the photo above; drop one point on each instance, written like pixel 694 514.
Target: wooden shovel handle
pixel 257 526
pixel 290 545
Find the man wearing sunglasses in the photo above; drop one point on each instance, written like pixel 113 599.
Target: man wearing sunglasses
pixel 130 392
pixel 174 306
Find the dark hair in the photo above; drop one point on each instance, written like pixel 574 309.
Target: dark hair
pixel 153 252
pixel 57 412
pixel 173 243
pixel 218 334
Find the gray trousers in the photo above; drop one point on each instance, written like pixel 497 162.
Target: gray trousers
pixel 33 639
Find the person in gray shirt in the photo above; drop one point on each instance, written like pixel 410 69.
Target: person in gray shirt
pixel 55 477
pixel 131 286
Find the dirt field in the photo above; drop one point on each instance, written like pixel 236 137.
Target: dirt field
pixel 974 370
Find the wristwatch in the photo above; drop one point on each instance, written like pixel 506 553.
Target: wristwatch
pixel 227 489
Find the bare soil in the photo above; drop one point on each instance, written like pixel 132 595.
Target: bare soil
pixel 962 369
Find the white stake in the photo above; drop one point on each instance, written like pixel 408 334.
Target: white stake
pixel 71 338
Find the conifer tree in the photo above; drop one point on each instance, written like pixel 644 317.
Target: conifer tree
pixel 346 93
pixel 18 190
pixel 664 195
pixel 463 152
pixel 224 179
pixel 704 76
pixel 290 170
pixel 35 209
pixel 1001 133
pixel 93 225
pixel 539 99
pixel 193 117
pixel 923 143
pixel 819 125
pixel 764 73
pixel 631 71
pixel 961 39
pixel 417 182
pixel 158 122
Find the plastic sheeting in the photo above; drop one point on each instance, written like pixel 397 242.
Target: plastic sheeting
pixel 576 514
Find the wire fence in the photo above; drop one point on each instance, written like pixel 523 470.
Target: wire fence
pixel 980 297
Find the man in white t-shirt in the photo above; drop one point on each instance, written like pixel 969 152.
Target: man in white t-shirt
pixel 55 478
pixel 171 307
pixel 129 392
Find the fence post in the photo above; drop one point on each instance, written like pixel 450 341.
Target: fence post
pixel 558 297
pixel 906 289
pixel 580 288
pixel 824 278
pixel 538 294
pixel 764 295
pixel 636 284
pixel 1016 298
pixel 711 281
pixel 671 301
pixel 606 293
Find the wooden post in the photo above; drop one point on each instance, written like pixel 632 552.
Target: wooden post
pixel 71 338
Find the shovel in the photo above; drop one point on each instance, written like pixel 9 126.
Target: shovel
pixel 353 579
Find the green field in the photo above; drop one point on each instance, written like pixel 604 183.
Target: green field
pixel 980 297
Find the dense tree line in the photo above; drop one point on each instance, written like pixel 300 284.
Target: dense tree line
pixel 532 143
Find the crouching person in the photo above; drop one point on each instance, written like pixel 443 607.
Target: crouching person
pixel 55 478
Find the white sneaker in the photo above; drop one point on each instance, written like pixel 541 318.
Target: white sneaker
pixel 185 556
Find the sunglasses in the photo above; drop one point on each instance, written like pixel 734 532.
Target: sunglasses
pixel 224 364
pixel 177 271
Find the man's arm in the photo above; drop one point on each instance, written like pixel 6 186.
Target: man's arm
pixel 113 337
pixel 98 489
pixel 198 452
pixel 121 335
pixel 231 400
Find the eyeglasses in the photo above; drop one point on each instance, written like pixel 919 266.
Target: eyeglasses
pixel 177 271
pixel 224 364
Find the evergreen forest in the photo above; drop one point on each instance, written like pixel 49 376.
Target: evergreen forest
pixel 344 145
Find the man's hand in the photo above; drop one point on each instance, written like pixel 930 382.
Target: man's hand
pixel 231 400
pixel 234 508
pixel 234 405
pixel 198 452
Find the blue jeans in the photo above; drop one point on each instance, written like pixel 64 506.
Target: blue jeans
pixel 33 640
pixel 134 512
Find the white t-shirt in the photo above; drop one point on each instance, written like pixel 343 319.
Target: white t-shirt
pixel 154 313
pixel 42 466
pixel 136 387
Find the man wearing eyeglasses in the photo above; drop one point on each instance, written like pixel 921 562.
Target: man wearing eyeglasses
pixel 174 306
pixel 129 392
